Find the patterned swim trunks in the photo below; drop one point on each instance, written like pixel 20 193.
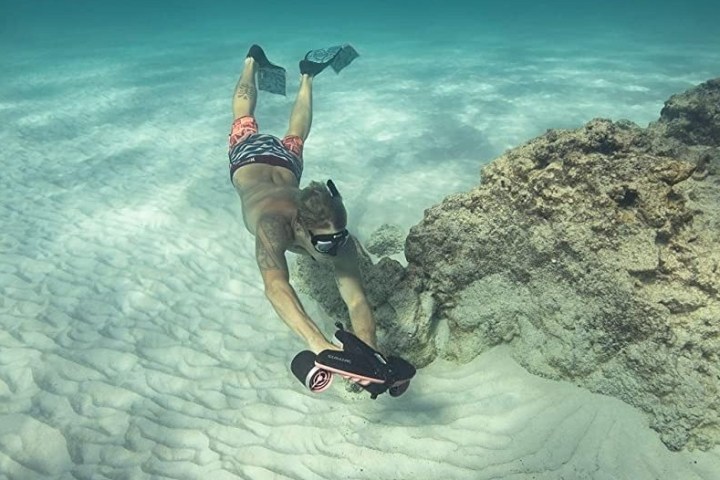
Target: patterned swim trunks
pixel 247 146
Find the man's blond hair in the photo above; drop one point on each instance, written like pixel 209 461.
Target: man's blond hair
pixel 317 208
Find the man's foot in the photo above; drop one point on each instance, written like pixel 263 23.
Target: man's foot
pixel 312 68
pixel 271 78
pixel 257 54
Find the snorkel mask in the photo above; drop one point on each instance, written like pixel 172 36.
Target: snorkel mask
pixel 329 243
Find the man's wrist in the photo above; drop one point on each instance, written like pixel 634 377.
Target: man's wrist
pixel 367 337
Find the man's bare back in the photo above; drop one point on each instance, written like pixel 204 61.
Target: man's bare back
pixel 269 190
pixel 265 189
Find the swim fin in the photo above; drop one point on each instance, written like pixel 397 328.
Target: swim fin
pixel 271 77
pixel 338 57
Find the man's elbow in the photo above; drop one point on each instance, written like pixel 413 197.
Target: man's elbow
pixel 357 302
pixel 274 290
pixel 271 292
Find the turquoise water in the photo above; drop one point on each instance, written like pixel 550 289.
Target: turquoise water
pixel 133 327
pixel 451 79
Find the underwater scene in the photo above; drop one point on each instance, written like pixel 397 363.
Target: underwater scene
pixel 359 240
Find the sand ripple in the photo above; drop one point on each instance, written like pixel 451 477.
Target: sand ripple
pixel 135 340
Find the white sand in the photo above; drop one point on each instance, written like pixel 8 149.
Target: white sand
pixel 135 341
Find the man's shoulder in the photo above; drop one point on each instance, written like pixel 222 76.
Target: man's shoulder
pixel 272 207
pixel 276 222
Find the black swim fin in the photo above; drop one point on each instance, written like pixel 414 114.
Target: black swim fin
pixel 337 57
pixel 271 77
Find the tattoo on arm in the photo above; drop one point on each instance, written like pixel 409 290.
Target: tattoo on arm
pixel 271 239
pixel 245 91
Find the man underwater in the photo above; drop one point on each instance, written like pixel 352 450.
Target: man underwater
pixel 266 171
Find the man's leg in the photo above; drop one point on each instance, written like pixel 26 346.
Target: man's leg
pixel 245 97
pixel 301 116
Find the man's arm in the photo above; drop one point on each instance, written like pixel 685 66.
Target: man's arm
pixel 349 282
pixel 272 237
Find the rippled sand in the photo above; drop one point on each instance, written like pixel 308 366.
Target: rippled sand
pixel 135 340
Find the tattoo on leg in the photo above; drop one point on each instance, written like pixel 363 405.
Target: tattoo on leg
pixel 246 91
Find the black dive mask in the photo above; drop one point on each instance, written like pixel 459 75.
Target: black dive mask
pixel 329 243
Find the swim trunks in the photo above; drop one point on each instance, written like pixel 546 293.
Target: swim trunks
pixel 247 146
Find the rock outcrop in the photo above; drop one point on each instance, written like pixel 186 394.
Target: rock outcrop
pixel 594 253
pixel 386 240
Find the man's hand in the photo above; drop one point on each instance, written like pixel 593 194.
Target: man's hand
pixel 319 346
pixel 331 346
